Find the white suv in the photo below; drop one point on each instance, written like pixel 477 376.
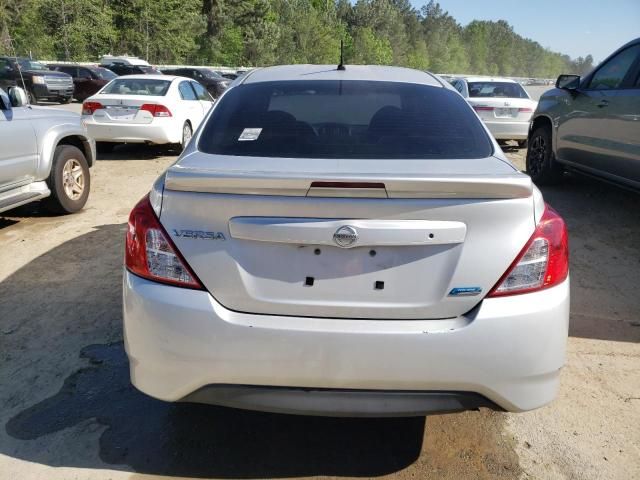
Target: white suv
pixel 346 242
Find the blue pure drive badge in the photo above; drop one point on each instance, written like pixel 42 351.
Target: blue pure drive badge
pixel 465 291
pixel 249 134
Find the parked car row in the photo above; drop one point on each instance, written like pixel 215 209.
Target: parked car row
pixel 61 82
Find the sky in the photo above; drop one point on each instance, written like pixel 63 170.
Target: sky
pixel 574 27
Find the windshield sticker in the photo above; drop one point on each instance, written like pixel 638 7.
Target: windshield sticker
pixel 249 134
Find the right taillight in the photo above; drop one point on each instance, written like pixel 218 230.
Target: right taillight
pixel 156 109
pixel 89 107
pixel 542 263
pixel 149 253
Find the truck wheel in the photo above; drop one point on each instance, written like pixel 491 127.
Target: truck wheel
pixel 66 99
pixel 69 181
pixel 541 164
pixel 33 100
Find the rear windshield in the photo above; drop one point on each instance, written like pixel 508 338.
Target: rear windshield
pixel 497 89
pixel 137 86
pixel 344 119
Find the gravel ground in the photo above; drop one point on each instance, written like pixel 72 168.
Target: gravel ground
pixel 68 410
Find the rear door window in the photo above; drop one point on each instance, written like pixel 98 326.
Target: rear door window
pixel 186 91
pixel 344 119
pixel 201 92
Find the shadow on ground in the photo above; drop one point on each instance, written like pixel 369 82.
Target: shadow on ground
pixel 139 151
pixel 604 242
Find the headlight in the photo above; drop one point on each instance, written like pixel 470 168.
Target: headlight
pixel 36 79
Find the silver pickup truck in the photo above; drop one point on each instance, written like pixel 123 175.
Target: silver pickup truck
pixel 45 154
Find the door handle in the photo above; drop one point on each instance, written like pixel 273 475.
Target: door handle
pixel 603 103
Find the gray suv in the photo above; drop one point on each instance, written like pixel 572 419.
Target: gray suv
pixel 590 124
pixel 45 155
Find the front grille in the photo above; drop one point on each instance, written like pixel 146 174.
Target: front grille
pixel 59 82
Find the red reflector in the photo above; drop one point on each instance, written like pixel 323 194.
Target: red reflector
pixel 156 109
pixel 150 253
pixel 482 108
pixel 526 110
pixel 89 107
pixel 542 263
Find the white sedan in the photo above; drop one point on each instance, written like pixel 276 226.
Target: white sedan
pixel 154 109
pixel 346 242
pixel 502 104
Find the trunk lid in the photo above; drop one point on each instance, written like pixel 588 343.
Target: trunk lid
pixel 124 108
pixel 427 243
pixel 500 109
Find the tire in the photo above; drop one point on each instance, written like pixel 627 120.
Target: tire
pixel 66 99
pixel 105 147
pixel 69 181
pixel 187 133
pixel 33 100
pixel 541 164
pixel 522 143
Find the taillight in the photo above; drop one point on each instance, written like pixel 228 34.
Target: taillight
pixel 89 107
pixel 156 109
pixel 525 110
pixel 483 108
pixel 149 253
pixel 542 263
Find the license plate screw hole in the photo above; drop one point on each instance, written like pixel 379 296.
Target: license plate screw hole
pixel 308 282
pixel 317 251
pixel 372 253
pixel 379 285
pixel 431 235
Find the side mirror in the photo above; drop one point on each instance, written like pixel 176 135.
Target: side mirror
pixel 568 82
pixel 18 97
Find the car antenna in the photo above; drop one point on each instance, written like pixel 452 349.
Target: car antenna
pixel 341 65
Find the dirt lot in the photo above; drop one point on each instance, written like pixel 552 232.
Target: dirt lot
pixel 67 409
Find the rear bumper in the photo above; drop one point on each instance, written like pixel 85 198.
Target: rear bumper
pixel 160 131
pixel 182 342
pixel 508 130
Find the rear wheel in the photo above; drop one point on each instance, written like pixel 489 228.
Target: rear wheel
pixel 69 180
pixel 66 99
pixel 187 133
pixel 541 164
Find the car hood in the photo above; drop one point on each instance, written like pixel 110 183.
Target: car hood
pixel 49 73
pixel 48 112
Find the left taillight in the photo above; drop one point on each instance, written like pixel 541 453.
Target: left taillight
pixel 89 107
pixel 149 253
pixel 542 263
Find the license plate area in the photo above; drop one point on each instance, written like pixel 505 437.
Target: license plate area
pixel 122 112
pixel 506 112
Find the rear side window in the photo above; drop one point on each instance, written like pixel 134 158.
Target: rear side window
pixel 137 86
pixel 201 92
pixel 497 89
pixel 344 119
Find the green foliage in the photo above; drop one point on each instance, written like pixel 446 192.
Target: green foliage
pixel 265 32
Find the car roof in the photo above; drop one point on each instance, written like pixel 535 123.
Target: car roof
pixel 488 79
pixel 351 72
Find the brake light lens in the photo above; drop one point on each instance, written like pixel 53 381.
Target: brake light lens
pixel 525 110
pixel 156 109
pixel 483 108
pixel 89 107
pixel 542 263
pixel 149 252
